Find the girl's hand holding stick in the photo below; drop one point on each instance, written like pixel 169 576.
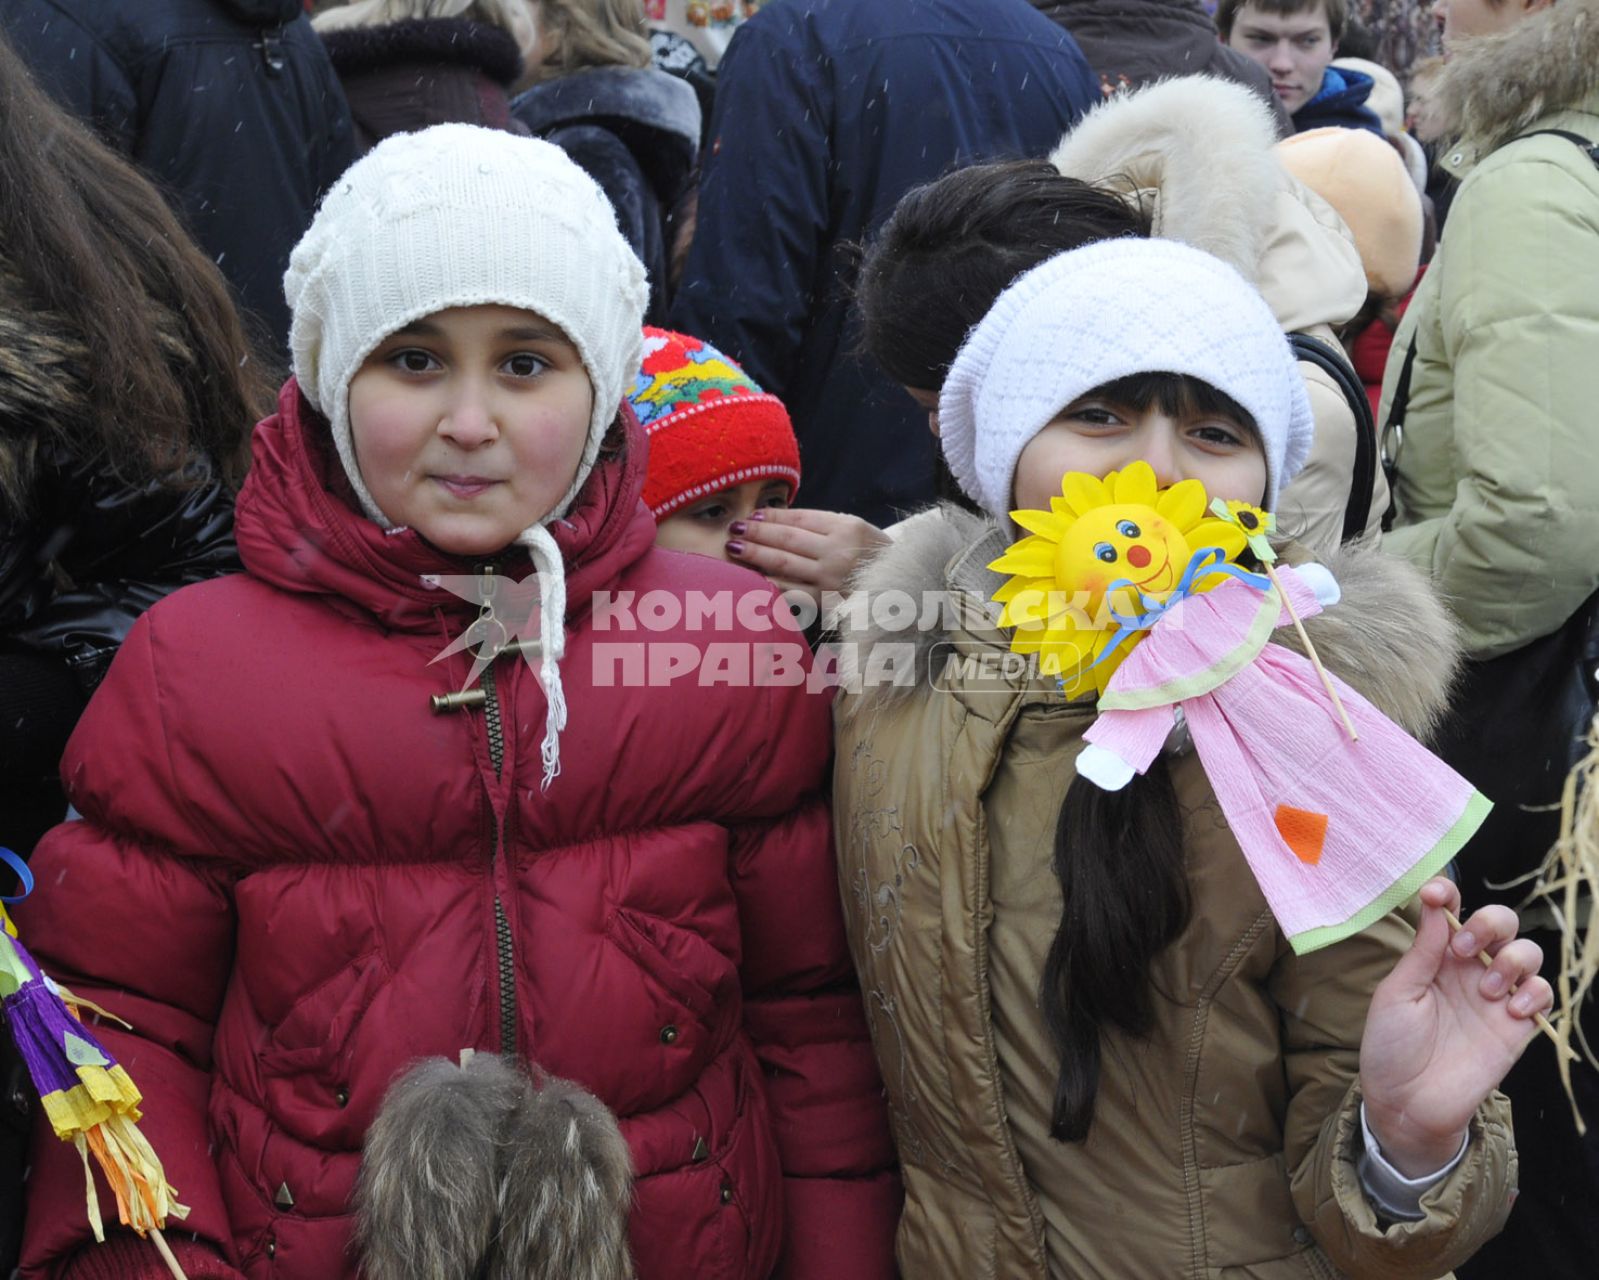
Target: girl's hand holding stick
pixel 1439 1035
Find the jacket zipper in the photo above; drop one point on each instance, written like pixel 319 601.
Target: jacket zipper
pixel 502 923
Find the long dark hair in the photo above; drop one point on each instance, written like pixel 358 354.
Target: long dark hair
pixel 169 376
pixel 1119 859
pixel 950 248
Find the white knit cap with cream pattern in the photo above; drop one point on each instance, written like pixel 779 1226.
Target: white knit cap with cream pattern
pixel 460 216
pixel 1104 312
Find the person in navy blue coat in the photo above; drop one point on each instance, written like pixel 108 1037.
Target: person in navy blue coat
pixel 827 111
pixel 230 106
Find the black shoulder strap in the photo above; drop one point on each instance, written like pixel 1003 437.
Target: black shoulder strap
pixel 1592 148
pixel 1337 367
pixel 1393 430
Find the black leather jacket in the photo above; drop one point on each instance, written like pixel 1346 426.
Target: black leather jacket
pixel 94 553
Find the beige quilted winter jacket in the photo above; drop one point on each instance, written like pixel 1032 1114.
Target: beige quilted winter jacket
pixel 1223 1146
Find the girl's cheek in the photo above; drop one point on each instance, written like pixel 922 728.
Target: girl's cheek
pixel 697 537
pixel 559 434
pixel 380 448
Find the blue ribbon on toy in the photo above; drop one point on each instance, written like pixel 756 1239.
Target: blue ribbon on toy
pixel 23 874
pixel 1207 562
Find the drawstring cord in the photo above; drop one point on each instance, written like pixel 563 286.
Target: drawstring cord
pixel 552 639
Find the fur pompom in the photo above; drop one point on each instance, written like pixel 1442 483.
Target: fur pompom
pixel 470 1171
pixel 427 1201
pixel 566 1192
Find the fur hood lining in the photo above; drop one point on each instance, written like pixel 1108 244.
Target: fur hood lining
pixel 643 96
pixel 1200 153
pixel 1495 87
pixel 478 46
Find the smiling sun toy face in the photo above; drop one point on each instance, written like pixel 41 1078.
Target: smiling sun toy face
pixel 1122 529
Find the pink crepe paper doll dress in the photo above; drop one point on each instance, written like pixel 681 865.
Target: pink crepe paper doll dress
pixel 1337 833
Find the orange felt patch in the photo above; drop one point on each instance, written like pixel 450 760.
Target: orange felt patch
pixel 1305 832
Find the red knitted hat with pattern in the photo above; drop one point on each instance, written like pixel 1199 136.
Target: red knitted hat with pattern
pixel 710 427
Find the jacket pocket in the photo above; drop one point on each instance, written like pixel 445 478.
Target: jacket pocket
pixel 667 956
pixel 315 1036
pixel 1252 1229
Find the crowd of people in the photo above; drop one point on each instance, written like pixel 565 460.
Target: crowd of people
pixel 453 454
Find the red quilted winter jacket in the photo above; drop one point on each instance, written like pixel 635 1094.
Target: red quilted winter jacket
pixel 286 879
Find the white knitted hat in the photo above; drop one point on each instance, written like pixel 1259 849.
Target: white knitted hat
pixel 460 216
pixel 1108 311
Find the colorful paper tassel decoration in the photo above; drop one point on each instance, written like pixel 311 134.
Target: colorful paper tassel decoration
pixel 88 1098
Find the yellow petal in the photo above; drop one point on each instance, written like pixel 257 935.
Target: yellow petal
pixel 1135 483
pixel 1011 586
pixel 1078 678
pixel 1183 504
pixel 1033 556
pixel 1063 629
pixel 1062 508
pixel 1029 609
pixel 1061 656
pixel 1219 533
pixel 1083 492
pixel 1040 522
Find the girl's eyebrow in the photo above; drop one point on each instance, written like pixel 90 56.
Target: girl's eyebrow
pixel 512 333
pixel 533 333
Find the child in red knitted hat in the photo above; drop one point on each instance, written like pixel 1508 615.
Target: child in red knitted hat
pixel 720 447
pixel 723 460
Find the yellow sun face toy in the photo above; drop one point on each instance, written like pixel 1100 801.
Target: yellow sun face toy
pixel 1105 552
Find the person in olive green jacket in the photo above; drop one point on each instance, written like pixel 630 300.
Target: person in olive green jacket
pixel 1496 493
pixel 1497 499
pixel 1234 1109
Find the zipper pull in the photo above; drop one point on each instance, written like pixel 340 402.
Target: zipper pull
pixel 442 702
pixel 489 640
pixel 490 633
pixel 528 646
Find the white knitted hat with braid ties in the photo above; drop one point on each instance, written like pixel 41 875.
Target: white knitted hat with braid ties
pixel 461 216
pixel 1104 312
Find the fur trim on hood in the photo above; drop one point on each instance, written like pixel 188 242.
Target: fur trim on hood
pixel 644 96
pixel 1495 87
pixel 478 46
pixel 265 13
pixel 1389 637
pixel 1203 145
pixel 656 115
pixel 44 395
pixel 1200 153
pixel 472 1172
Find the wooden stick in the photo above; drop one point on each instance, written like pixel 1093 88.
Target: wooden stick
pixel 1544 1024
pixel 1310 652
pixel 166 1254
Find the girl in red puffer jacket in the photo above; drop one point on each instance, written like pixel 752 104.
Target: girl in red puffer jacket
pixel 459 763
